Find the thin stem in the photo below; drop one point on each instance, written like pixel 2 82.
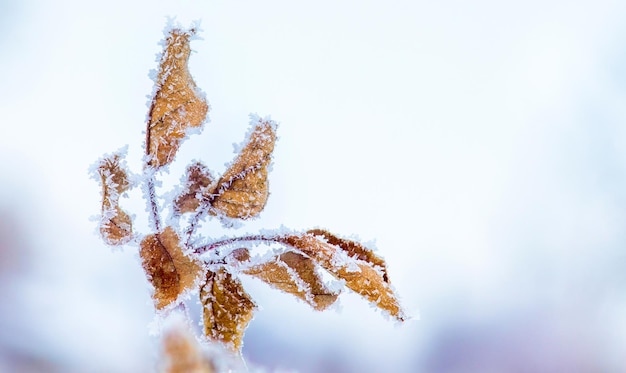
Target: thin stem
pixel 207 202
pixel 148 122
pixel 154 207
pixel 229 241
pixel 192 228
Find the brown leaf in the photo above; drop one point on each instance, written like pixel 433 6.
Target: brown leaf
pixel 243 189
pixel 115 224
pixel 227 308
pixel 295 274
pixel 199 180
pixel 353 249
pixel 182 353
pixel 114 176
pixel 177 103
pixel 360 276
pixel 116 227
pixel 240 255
pixel 170 271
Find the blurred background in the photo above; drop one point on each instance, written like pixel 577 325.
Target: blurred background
pixel 481 146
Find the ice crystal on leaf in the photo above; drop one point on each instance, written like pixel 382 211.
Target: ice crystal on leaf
pixel 168 268
pixel 177 104
pixel 115 223
pixel 177 262
pixel 198 181
pixel 227 308
pixel 360 276
pixel 242 191
pixel 295 274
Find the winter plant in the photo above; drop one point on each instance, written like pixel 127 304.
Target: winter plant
pixel 178 263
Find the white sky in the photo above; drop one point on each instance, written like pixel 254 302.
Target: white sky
pixel 480 144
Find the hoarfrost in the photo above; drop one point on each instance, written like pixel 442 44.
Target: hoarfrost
pixel 231 223
pixel 150 196
pixel 255 119
pixel 120 154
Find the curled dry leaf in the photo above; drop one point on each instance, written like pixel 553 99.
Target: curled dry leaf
pixel 243 189
pixel 227 308
pixel 115 224
pixel 182 353
pixel 116 227
pixel 353 249
pixel 360 276
pixel 177 104
pixel 199 180
pixel 295 274
pixel 170 271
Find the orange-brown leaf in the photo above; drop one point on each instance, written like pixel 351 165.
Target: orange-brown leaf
pixel 241 254
pixel 182 353
pixel 359 276
pixel 227 308
pixel 170 271
pixel 353 249
pixel 177 104
pixel 243 189
pixel 199 180
pixel 114 176
pixel 295 274
pixel 116 227
pixel 115 224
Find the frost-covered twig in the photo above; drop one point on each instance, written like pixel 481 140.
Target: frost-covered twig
pixel 176 268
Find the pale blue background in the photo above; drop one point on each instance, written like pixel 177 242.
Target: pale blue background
pixel 481 144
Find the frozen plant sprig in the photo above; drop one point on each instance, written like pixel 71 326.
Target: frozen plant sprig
pixel 176 265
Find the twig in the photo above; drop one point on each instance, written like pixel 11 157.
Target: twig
pixel 229 241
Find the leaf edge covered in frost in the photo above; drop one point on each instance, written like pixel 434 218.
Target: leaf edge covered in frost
pixel 354 249
pixel 177 103
pixel 198 181
pixel 170 271
pixel 115 224
pixel 243 189
pixel 295 274
pixel 227 308
pixel 360 276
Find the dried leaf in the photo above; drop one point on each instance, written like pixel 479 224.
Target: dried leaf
pixel 177 104
pixel 114 176
pixel 227 308
pixel 360 276
pixel 239 255
pixel 182 353
pixel 115 224
pixel 168 268
pixel 353 249
pixel 116 227
pixel 295 274
pixel 199 180
pixel 243 189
